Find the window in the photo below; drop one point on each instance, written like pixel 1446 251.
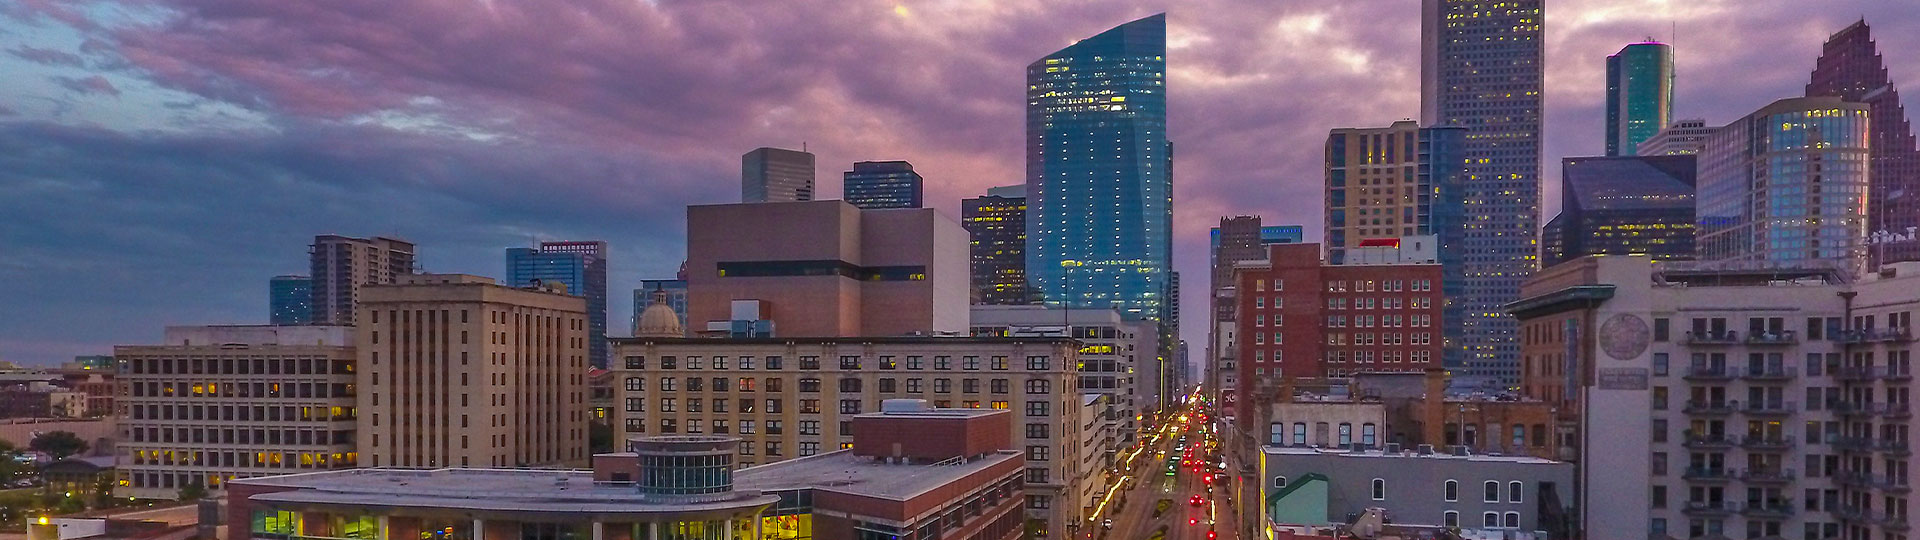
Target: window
pixel 1451 519
pixel 666 404
pixel 1037 408
pixel 1039 386
pixel 746 362
pixel 942 385
pixel 913 385
pixel 1037 363
pixel 1037 475
pixel 971 386
pixel 1299 433
pixel 1452 490
pixel 849 362
pixel 1491 493
pixel 1038 453
pixel 849 384
pixel 666 384
pixel 1039 502
pixel 943 363
pixel 809 427
pixel 914 362
pixel 1660 329
pixel 1660 361
pixel 1279 482
pixel 774 362
pixel 1379 489
pixel 999 386
pixel 887 362
pixel 1512 520
pixel 889 385
pixel 669 362
pixel 809 384
pixel 746 427
pixel 806 362
pixel 636 362
pixel 1000 363
pixel 1490 520
pixel 1346 434
pixel 636 384
pixel 1037 431
pixel 1513 491
pixel 970 363
pixel 849 406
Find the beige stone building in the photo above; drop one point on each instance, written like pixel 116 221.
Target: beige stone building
pixel 793 397
pixel 214 403
pixel 458 371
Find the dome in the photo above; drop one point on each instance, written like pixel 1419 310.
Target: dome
pixel 659 320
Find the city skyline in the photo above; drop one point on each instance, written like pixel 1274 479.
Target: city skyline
pixel 157 93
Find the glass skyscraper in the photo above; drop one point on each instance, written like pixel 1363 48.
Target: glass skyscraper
pixel 1787 185
pixel 997 239
pixel 776 175
pixel 1482 69
pixel 1639 95
pixel 290 300
pixel 1623 205
pixel 875 185
pixel 582 266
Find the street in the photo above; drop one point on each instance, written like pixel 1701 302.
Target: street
pixel 1156 505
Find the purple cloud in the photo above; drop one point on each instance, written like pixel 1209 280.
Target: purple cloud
pixel 49 57
pixel 88 85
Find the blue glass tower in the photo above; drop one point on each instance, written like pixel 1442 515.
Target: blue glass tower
pixel 876 185
pixel 1639 95
pixel 582 266
pixel 291 300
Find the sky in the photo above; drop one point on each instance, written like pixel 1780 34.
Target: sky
pixel 160 160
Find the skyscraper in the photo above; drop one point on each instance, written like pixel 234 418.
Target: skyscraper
pixel 1850 67
pixel 582 266
pixel 875 185
pixel 1639 95
pixel 290 300
pixel 1099 184
pixel 340 265
pixel 1623 205
pixel 776 175
pixel 1482 69
pixel 1683 137
pixel 1786 185
pixel 997 226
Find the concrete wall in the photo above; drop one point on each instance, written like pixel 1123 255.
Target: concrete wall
pixel 331 336
pixel 1415 484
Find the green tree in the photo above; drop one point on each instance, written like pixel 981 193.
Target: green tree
pixel 9 463
pixel 59 444
pixel 193 491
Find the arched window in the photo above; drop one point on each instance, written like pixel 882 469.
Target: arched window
pixel 1513 491
pixel 1452 519
pixel 1453 491
pixel 1379 489
pixel 1490 520
pixel 1279 482
pixel 1491 492
pixel 1511 521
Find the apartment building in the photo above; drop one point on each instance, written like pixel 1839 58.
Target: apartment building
pixel 788 398
pixel 459 371
pixel 1112 352
pixel 341 265
pixel 214 403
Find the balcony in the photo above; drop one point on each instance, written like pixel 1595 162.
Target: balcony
pixel 1708 474
pixel 1853 443
pixel 1770 408
pixel 1710 407
pixel 1873 373
pixel 1709 441
pixel 1710 373
pixel 1710 508
pixel 1779 509
pixel 1767 476
pixel 1769 373
pixel 1773 338
pixel 1775 442
pixel 1854 479
pixel 1888 335
pixel 1712 338
pixel 1893 447
pixel 1890 483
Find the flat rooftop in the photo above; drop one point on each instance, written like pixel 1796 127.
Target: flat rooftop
pixel 843 472
pixel 877 340
pixel 500 490
pixel 1438 454
pixel 932 413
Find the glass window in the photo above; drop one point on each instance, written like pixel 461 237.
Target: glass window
pixel 1379 489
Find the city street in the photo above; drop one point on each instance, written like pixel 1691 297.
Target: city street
pixel 1155 505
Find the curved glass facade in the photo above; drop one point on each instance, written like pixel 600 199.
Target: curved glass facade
pixel 1787 185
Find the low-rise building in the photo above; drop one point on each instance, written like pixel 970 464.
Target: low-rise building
pixel 1421 485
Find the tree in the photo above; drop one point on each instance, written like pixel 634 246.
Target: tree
pixel 59 444
pixel 9 463
pixel 193 491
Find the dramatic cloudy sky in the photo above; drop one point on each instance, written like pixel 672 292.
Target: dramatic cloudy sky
pixel 160 159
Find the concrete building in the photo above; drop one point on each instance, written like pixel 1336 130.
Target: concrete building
pixel 776 175
pixel 582 267
pixel 1639 95
pixel 877 185
pixel 340 265
pixel 1740 402
pixel 1408 409
pixel 1400 180
pixel 290 300
pixel 1786 185
pixel 1623 206
pixel 824 269
pixel 214 403
pixel 1113 352
pixel 1482 67
pixel 1238 239
pixel 459 371
pixel 791 398
pixel 1445 487
pixel 997 225
pixel 1683 137
pixel 901 480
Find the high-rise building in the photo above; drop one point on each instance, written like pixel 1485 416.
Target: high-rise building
pixel 582 267
pixel 340 265
pixel 1850 68
pixel 1683 137
pixel 1786 185
pixel 997 225
pixel 676 291
pixel 1096 136
pixel 215 403
pixel 459 371
pixel 1482 68
pixel 290 300
pixel 1639 95
pixel 1401 180
pixel 1238 239
pixel 824 269
pixel 876 185
pixel 1626 205
pixel 776 175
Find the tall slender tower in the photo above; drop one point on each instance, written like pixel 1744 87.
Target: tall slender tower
pixel 997 226
pixel 1482 69
pixel 1850 67
pixel 1639 95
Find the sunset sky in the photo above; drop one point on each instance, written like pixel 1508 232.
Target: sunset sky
pixel 161 159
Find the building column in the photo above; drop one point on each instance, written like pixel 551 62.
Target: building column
pixel 726 531
pixel 385 533
pixel 599 530
pixel 479 529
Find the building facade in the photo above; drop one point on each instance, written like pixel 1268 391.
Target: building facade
pixel 1113 352
pixel 1631 205
pixel 340 265
pixel 459 371
pixel 1446 487
pixel 877 185
pixel 789 398
pixel 776 175
pixel 997 226
pixel 1850 68
pixel 825 268
pixel 582 267
pixel 1683 137
pixel 1482 68
pixel 215 403
pixel 676 290
pixel 1401 180
pixel 290 300
pixel 1639 95
pixel 1786 185
pixel 1238 239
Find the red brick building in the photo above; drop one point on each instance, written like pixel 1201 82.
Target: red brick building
pixel 1298 317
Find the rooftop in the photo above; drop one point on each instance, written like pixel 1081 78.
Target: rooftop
pixel 843 472
pixel 505 490
pixel 885 340
pixel 1438 454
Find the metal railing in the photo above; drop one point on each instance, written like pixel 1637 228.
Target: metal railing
pixel 1712 338
pixel 1788 337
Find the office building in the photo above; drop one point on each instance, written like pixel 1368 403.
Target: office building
pixel 1629 205
pixel 876 185
pixel 676 297
pixel 1683 137
pixel 1238 239
pixel 290 300
pixel 963 484
pixel 776 175
pixel 459 371
pixel 1113 352
pixel 1482 68
pixel 582 267
pixel 212 404
pixel 789 398
pixel 1786 185
pixel 1639 95
pixel 1743 402
pixel 824 269
pixel 1446 487
pixel 340 265
pixel 1096 135
pixel 997 226
pixel 1850 68
pixel 1401 180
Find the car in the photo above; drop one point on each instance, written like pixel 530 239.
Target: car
pixel 1106 523
pixel 1196 501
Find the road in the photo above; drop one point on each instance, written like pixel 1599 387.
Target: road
pixel 1133 507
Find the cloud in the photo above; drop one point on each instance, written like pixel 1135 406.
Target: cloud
pixel 49 57
pixel 88 85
